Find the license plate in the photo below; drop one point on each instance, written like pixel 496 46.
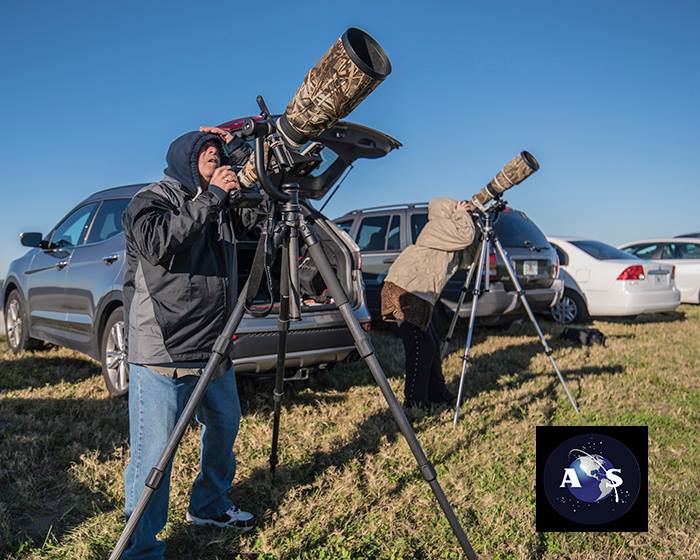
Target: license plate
pixel 530 268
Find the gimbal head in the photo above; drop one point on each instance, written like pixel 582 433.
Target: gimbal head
pixel 496 206
pixel 272 156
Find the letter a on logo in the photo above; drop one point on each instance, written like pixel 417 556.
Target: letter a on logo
pixel 570 478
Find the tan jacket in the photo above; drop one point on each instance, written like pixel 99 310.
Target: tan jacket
pixel 423 269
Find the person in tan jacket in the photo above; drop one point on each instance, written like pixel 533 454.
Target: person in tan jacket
pixel 412 287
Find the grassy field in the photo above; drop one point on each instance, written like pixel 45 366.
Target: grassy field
pixel 347 486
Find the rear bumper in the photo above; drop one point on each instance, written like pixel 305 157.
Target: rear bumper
pixel 319 338
pixel 257 352
pixel 498 302
pixel 626 303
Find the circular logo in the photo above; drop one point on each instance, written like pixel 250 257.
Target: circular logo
pixel 592 479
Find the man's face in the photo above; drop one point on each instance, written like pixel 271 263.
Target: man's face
pixel 209 160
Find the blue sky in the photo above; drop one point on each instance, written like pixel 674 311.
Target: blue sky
pixel 605 94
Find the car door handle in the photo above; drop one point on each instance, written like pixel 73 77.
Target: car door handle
pixel 109 259
pixel 61 264
pixel 389 260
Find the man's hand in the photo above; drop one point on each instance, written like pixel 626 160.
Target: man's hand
pixel 462 206
pixel 220 132
pixel 225 178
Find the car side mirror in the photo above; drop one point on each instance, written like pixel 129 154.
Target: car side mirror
pixel 32 239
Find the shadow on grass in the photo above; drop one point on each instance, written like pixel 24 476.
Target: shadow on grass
pixel 41 368
pixel 263 494
pixel 42 439
pixel 512 364
pixel 666 317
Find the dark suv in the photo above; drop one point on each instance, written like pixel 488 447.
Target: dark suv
pixel 383 232
pixel 67 289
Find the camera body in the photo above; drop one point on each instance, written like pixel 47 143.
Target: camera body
pixel 245 198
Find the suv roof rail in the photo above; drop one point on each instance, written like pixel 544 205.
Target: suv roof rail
pixel 386 207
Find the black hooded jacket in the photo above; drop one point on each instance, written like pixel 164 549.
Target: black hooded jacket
pixel 180 280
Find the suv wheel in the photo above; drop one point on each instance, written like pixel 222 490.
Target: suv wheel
pixel 115 368
pixel 17 326
pixel 571 309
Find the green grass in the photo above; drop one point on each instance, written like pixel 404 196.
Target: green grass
pixel 347 486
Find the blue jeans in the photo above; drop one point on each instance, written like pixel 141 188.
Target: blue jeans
pixel 155 403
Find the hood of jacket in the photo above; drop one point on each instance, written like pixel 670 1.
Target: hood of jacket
pixel 183 158
pixel 423 269
pixel 441 207
pixel 446 229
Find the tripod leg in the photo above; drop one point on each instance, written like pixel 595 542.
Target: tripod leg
pixel 293 274
pixel 483 255
pixel 526 305
pixel 366 351
pixel 221 349
pixel 282 330
pixel 455 316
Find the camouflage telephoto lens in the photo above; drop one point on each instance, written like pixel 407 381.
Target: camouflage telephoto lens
pixel 351 69
pixel 513 173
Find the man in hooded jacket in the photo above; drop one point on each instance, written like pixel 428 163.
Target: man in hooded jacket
pixel 411 290
pixel 180 284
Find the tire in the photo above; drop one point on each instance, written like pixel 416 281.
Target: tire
pixel 17 326
pixel 571 309
pixel 115 368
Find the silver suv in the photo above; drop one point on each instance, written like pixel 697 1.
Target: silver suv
pixel 383 232
pixel 67 289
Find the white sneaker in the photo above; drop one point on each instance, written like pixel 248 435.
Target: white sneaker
pixel 233 517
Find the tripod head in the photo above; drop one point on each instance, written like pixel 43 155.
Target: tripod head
pixel 273 162
pixel 497 206
pixel 485 216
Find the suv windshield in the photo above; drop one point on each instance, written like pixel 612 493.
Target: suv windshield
pixel 601 251
pixel 515 229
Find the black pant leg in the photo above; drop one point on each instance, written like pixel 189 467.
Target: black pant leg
pixel 420 350
pixel 437 390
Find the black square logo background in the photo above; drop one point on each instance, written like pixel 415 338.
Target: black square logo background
pixel 635 438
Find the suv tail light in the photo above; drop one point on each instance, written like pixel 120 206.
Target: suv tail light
pixel 493 267
pixel 556 266
pixel 357 255
pixel 673 272
pixel 634 272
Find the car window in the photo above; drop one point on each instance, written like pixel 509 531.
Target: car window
pixel 515 229
pixel 563 257
pixel 681 251
pixel 645 251
pixel 669 251
pixel 372 234
pixel 71 231
pixel 345 225
pixel 418 222
pixel 393 238
pixel 688 250
pixel 601 251
pixel 108 221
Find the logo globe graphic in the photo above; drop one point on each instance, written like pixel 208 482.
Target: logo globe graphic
pixel 590 479
pixel 591 472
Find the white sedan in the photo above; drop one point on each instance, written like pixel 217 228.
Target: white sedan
pixel 682 252
pixel 600 280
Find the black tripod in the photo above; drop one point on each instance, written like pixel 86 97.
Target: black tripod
pixel 485 218
pixel 293 227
